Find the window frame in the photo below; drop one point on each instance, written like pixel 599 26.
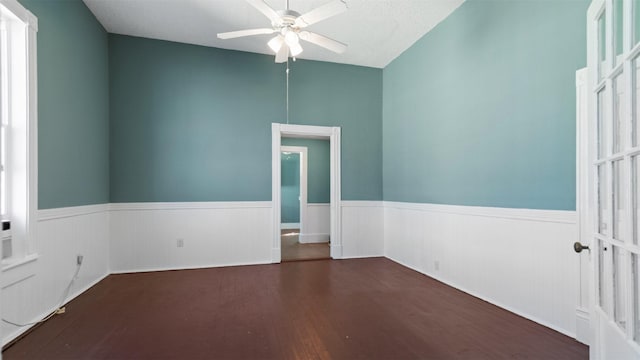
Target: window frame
pixel 18 107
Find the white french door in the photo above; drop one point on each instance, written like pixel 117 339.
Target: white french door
pixel 613 43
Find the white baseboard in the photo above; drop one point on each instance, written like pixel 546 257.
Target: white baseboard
pixel 276 255
pixel 361 257
pixel 583 327
pixel 313 238
pixel 336 251
pixel 289 226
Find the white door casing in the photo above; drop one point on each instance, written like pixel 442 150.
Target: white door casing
pixel 307 132
pixel 303 180
pixel 612 167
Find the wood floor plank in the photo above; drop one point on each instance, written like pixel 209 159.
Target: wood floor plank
pixel 326 309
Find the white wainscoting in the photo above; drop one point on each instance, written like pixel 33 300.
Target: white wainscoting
pixel 145 236
pixel 317 224
pixel 362 229
pixel 521 260
pixel 34 289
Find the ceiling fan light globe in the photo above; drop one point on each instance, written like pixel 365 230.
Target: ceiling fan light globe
pixel 295 49
pixel 291 38
pixel 276 43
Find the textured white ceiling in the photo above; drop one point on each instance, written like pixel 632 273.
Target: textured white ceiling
pixel 377 31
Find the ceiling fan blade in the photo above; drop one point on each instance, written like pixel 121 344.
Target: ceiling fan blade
pixel 282 54
pixel 241 33
pixel 323 12
pixel 267 10
pixel 325 42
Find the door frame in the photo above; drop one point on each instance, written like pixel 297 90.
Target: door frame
pixel 306 132
pixel 303 151
pixel 583 324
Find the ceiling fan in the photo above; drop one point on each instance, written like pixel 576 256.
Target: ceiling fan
pixel 289 25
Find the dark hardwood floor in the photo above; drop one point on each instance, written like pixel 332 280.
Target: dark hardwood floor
pixel 326 309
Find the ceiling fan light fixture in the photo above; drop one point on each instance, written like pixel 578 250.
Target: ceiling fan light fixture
pixel 291 38
pixel 288 24
pixel 276 43
pixel 295 49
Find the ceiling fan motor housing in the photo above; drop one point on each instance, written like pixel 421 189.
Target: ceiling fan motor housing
pixel 288 18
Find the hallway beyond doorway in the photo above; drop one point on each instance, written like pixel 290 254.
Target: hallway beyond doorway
pixel 292 250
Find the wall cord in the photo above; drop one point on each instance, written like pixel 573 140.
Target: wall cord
pixel 58 308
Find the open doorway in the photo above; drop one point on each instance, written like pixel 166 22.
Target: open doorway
pixel 280 135
pixel 305 199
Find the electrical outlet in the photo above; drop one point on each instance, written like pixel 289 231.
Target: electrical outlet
pixel 79 259
pixel 436 265
pixel 180 243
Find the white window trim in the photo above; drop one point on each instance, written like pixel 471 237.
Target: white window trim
pixel 24 230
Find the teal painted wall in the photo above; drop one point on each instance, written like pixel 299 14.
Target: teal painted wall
pixel 73 105
pixel 290 188
pixel 331 94
pixel 481 110
pixel 318 168
pixel 191 123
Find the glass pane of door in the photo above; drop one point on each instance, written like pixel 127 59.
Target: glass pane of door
pixel 618 200
pixel 635 271
pixel 602 200
pixel 617 28
pixel 619 298
pixel 635 181
pixel 602 126
pixel 602 292
pixel 635 135
pixel 636 21
pixel 602 48
pixel 607 276
pixel 618 114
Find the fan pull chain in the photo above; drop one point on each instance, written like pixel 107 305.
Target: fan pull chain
pixel 287 104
